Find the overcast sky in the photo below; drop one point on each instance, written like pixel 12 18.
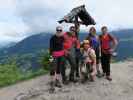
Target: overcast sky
pixel 21 18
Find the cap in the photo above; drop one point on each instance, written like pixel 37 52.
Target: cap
pixel 86 42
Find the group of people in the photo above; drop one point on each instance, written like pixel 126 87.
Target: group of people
pixel 84 57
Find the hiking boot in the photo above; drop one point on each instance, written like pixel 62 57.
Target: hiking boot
pixel 99 74
pixel 66 82
pixel 92 78
pixel 83 80
pixel 73 80
pixel 103 74
pixel 52 88
pixel 108 78
pixel 77 75
pixel 58 84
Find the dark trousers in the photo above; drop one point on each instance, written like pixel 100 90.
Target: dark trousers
pixel 97 55
pixel 77 67
pixel 72 63
pixel 105 61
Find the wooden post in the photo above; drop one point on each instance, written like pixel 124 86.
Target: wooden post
pixel 77 26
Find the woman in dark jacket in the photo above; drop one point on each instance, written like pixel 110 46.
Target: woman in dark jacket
pixel 57 51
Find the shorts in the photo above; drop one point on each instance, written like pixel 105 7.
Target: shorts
pixel 57 65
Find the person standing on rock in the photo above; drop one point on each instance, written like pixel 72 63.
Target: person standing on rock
pixel 57 51
pixel 71 43
pixel 107 49
pixel 95 44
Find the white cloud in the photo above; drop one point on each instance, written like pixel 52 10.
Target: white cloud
pixel 11 33
pixel 6 4
pixel 26 16
pixel 115 14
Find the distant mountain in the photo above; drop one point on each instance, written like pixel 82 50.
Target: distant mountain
pixel 40 41
pixel 11 44
pixel 8 45
pixel 123 34
pixel 31 44
pixel 28 50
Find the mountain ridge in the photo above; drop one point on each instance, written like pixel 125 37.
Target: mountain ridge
pixel 34 44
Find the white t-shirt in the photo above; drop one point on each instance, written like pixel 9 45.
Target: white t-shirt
pixel 89 54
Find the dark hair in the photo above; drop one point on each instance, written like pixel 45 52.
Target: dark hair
pixel 104 27
pixel 72 27
pixel 92 28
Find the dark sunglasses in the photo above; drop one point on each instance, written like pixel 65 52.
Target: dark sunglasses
pixel 59 30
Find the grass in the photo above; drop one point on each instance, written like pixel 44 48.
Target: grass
pixel 9 74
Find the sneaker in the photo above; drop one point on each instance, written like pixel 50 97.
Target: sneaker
pixel 108 78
